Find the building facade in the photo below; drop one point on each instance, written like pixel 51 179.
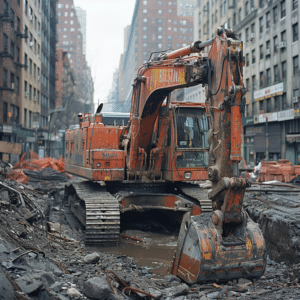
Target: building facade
pixel 155 27
pixel 270 34
pixel 71 37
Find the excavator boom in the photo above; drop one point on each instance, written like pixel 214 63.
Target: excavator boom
pixel 226 244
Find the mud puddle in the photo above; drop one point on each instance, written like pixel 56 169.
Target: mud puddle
pixel 150 238
pixel 154 251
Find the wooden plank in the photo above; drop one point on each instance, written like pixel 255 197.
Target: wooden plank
pixel 11 148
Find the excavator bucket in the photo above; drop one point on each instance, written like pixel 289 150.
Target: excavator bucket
pixel 204 254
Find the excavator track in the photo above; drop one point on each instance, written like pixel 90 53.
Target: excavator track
pixel 100 214
pixel 198 193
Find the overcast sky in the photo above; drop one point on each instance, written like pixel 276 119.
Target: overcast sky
pixel 106 20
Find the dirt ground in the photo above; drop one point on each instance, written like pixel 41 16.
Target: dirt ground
pixel 38 264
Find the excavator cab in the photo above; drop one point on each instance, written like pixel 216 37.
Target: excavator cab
pixel 191 137
pixel 185 146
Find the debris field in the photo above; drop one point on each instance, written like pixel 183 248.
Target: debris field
pixel 43 256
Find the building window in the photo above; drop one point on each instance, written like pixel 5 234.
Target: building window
pixel 17 88
pixel 12 49
pixel 233 19
pixel 159 37
pixel 71 22
pixel 268 47
pixel 145 45
pixel 65 36
pixel 276 73
pixel 295 32
pixel 66 14
pixel 261 52
pixel 269 77
pixel 283 70
pixel 175 29
pixel 277 103
pixel 295 65
pixel 269 105
pixel 160 3
pixel 275 43
pixel 283 39
pixel 240 15
pixel 25 117
pixel 253 56
pixel 65 29
pixel 159 45
pixel 261 106
pixel 268 19
pixel 275 14
pixel 247 8
pixel 169 37
pixel 159 11
pixel 247 59
pixel 30 66
pixel 284 101
pixel 4 112
pixel 282 9
pixel 145 2
pixel 261 79
pixel 30 92
pixel 30 119
pixel 144 28
pixel 247 34
pixel 295 4
pixel 144 37
pixel 159 29
pixel 248 84
pixel 144 11
pixel 253 83
pixel 145 20
pixel 261 25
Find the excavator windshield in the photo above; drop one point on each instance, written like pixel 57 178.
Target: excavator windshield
pixel 192 142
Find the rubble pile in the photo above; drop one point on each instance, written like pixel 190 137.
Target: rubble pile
pixel 38 264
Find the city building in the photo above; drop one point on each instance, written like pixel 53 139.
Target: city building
pixel 20 67
pixel 155 27
pixel 270 34
pixel 48 76
pixel 81 15
pixel 71 37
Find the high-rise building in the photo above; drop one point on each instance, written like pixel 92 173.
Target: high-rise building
pixel 155 26
pixel 71 37
pixel 11 66
pixel 270 34
pixel 81 15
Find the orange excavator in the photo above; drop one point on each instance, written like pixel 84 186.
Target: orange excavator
pixel 153 162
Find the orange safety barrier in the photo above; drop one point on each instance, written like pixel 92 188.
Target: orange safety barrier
pixel 35 163
pixel 32 161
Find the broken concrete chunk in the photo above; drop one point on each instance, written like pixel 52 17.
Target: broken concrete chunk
pixel 6 289
pixel 72 292
pixel 92 258
pixel 155 292
pixel 30 283
pixel 244 281
pixel 4 196
pixel 48 279
pixel 97 288
pixel 214 295
pixel 178 290
pixel 3 249
pixel 171 278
